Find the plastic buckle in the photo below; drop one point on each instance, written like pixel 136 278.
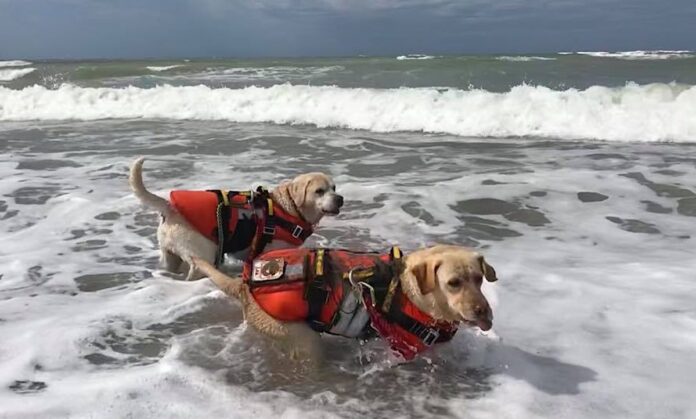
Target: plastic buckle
pixel 297 231
pixel 431 337
pixel 269 231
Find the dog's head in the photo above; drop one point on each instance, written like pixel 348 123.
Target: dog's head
pixel 314 195
pixel 449 280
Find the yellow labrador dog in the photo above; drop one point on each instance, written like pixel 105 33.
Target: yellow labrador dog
pixel 209 224
pixel 412 302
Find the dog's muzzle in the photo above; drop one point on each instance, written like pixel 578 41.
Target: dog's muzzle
pixel 336 204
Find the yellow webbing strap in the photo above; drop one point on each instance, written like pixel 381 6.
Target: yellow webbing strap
pixel 319 263
pixel 359 274
pixel 225 198
pixel 270 207
pixel 396 255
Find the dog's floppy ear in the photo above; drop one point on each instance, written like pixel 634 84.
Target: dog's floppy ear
pixel 426 275
pixel 488 271
pixel 298 189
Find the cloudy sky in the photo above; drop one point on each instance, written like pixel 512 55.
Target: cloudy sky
pixel 228 28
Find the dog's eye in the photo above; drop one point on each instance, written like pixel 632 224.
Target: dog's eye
pixel 319 191
pixel 477 279
pixel 333 188
pixel 454 282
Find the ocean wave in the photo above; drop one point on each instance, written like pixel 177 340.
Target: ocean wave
pixel 655 112
pixel 415 57
pixel 640 55
pixel 276 74
pixel 14 63
pixel 15 73
pixel 158 68
pixel 523 58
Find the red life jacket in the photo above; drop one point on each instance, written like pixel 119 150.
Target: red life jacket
pixel 317 286
pixel 239 220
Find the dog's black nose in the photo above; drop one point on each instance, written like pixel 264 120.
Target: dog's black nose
pixel 339 200
pixel 482 310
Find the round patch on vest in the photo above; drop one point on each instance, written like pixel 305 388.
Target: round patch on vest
pixel 268 270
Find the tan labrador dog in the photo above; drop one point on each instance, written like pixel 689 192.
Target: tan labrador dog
pixel 309 197
pixel 443 281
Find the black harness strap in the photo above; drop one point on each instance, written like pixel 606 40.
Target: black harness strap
pixel 295 230
pixel 429 335
pixel 243 234
pixel 222 216
pixel 271 222
pixel 268 229
pixel 317 291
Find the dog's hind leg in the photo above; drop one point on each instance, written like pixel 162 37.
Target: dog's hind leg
pixel 302 343
pixel 297 339
pixel 170 261
pixel 208 255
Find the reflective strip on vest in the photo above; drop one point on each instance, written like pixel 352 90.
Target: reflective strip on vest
pixel 352 317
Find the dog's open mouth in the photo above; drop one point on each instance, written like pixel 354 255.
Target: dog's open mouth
pixel 332 211
pixel 483 324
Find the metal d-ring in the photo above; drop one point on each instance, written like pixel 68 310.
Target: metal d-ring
pixel 358 288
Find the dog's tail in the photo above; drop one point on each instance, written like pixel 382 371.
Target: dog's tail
pixel 235 287
pixel 146 197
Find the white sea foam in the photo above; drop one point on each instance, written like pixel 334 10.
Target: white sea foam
pixel 157 68
pixel 15 73
pixel 14 63
pixel 276 73
pixel 523 58
pixel 415 57
pixel 655 112
pixel 587 312
pixel 272 74
pixel 640 55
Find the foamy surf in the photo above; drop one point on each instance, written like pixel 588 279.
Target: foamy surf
pixel 159 68
pixel 640 55
pixel 15 73
pixel 523 58
pixel 414 57
pixel 590 242
pixel 14 63
pixel 655 112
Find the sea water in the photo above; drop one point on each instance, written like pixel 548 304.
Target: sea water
pixel 574 173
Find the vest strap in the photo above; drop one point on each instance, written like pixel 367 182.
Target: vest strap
pixel 222 218
pixel 395 255
pixel 428 335
pixel 271 222
pixel 244 230
pixel 317 292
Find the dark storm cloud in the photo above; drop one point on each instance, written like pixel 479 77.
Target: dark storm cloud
pixel 160 28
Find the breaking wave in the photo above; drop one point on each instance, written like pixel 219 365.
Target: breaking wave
pixel 14 63
pixel 414 57
pixel 15 73
pixel 158 68
pixel 640 55
pixel 523 58
pixel 654 112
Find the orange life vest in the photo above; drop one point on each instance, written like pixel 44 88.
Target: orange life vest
pixel 352 294
pixel 239 220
